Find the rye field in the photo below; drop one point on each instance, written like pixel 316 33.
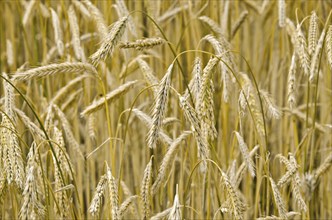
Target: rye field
pixel 152 109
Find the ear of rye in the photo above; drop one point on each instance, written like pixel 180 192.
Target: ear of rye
pixel 66 67
pixel 245 153
pixel 57 32
pixel 113 194
pixel 110 97
pixel 145 190
pixel 110 41
pixel 160 107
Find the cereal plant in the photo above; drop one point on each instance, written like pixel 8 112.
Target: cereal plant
pixel 152 109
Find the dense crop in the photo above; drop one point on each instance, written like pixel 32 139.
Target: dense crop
pixel 165 109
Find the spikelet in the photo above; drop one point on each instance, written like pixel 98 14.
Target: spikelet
pixel 234 204
pixel 30 125
pixel 285 161
pixel 113 194
pixel 312 33
pixel 110 41
pixel 278 200
pixel 145 190
pixel 251 101
pixel 282 13
pixel 315 57
pixel 2 174
pixel 240 171
pixel 167 161
pixel 219 44
pixel 296 185
pixel 67 130
pixel 175 212
pixel 311 179
pixel 124 12
pixel 224 207
pixel 254 5
pixel 3 182
pixel 57 32
pixel 126 204
pixel 296 178
pixel 197 73
pixel 97 18
pixel 48 122
pixel 323 167
pixel 191 88
pixel 70 99
pixel 109 98
pixel 212 24
pixel 238 23
pixel 142 43
pixel 227 84
pixel 11 154
pixel 222 49
pixel 64 91
pixel 3 148
pixel 170 120
pixel 98 196
pixel 66 67
pixel 290 215
pixel 299 44
pixel 195 82
pixel 299 200
pixel 32 157
pixel 231 172
pixel 245 153
pixel 61 154
pixel 272 110
pixel 208 119
pixel 242 103
pixel 52 52
pixel 11 157
pixel 75 31
pixel 60 195
pixel 32 207
pixel 161 215
pixel 201 142
pixel 293 176
pixel 264 6
pixel 291 170
pixel 82 9
pixel 160 107
pixel 148 121
pixel 153 8
pixel 291 93
pixel 205 97
pixel 171 13
pixel 125 189
pixel 302 116
pixel 225 18
pixel 301 49
pixel 9 98
pixel 10 52
pixel 328 46
pixel 92 129
pixel 148 74
pixel 131 66
pixel 291 30
pixel 44 11
pixel 28 12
